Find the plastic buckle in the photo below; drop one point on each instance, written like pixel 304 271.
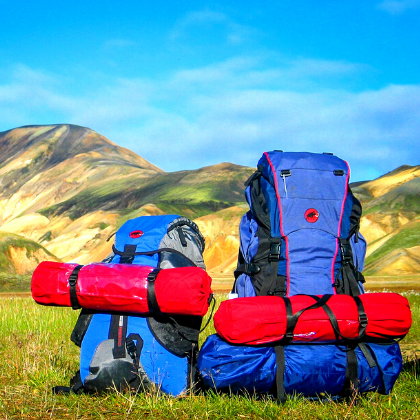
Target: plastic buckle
pixel 152 276
pixel 252 269
pixel 131 348
pixel 274 252
pixel 288 336
pixel 363 320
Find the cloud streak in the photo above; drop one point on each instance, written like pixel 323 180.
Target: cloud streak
pixel 398 7
pixel 232 111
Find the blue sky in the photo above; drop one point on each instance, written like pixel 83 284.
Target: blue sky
pixel 188 84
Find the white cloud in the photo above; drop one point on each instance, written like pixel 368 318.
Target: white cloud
pixel 221 24
pixel 232 111
pixel 398 7
pixel 118 43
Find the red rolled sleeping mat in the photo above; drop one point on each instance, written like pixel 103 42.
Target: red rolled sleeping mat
pixel 137 289
pixel 302 318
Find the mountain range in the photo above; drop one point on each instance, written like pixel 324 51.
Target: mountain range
pixel 65 189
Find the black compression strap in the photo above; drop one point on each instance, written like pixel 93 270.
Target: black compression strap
pixel 290 321
pixel 151 293
pixel 351 382
pixel 363 319
pixel 281 366
pixel 72 283
pixel 118 332
pixel 368 356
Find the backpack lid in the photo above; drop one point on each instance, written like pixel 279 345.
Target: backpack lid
pixel 308 191
pixel 144 232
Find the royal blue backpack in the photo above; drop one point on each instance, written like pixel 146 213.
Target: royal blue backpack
pixel 126 351
pixel 300 236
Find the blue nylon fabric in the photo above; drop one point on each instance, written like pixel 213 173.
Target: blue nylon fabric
pixel 248 236
pixel 168 371
pixel 312 184
pixel 244 286
pixel 225 366
pixel 359 251
pixel 153 228
pixel 248 245
pixel 345 223
pixel 311 369
pixel 310 261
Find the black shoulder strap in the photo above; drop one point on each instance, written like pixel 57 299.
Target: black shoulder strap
pixel 263 269
pixel 348 278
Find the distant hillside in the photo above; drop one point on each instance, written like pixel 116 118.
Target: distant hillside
pixel 19 255
pixel 391 221
pixel 69 188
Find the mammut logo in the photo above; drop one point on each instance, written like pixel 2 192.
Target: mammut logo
pixel 311 215
pixel 136 234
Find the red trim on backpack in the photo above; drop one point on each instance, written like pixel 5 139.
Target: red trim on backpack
pixel 281 219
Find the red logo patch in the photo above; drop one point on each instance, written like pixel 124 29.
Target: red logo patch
pixel 311 215
pixel 136 234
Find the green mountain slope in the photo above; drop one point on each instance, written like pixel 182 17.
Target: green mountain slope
pixel 391 221
pixel 19 255
pixel 69 188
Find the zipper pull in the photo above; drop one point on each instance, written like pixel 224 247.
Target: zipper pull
pixel 284 173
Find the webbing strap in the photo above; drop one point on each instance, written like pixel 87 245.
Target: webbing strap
pixel 281 367
pixel 72 283
pixel 265 278
pixel 128 255
pixel 351 381
pixel 181 236
pixel 350 275
pixel 368 356
pixel 292 319
pixel 151 293
pixel 363 319
pixel 118 332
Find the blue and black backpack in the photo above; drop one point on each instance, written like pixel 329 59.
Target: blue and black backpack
pixel 155 352
pixel 300 236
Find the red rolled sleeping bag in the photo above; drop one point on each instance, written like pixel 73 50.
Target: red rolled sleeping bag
pixel 123 287
pixel 264 319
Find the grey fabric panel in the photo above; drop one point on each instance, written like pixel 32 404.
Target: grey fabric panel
pixel 191 251
pixel 109 373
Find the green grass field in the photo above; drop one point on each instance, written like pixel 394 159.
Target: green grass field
pixel 36 354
